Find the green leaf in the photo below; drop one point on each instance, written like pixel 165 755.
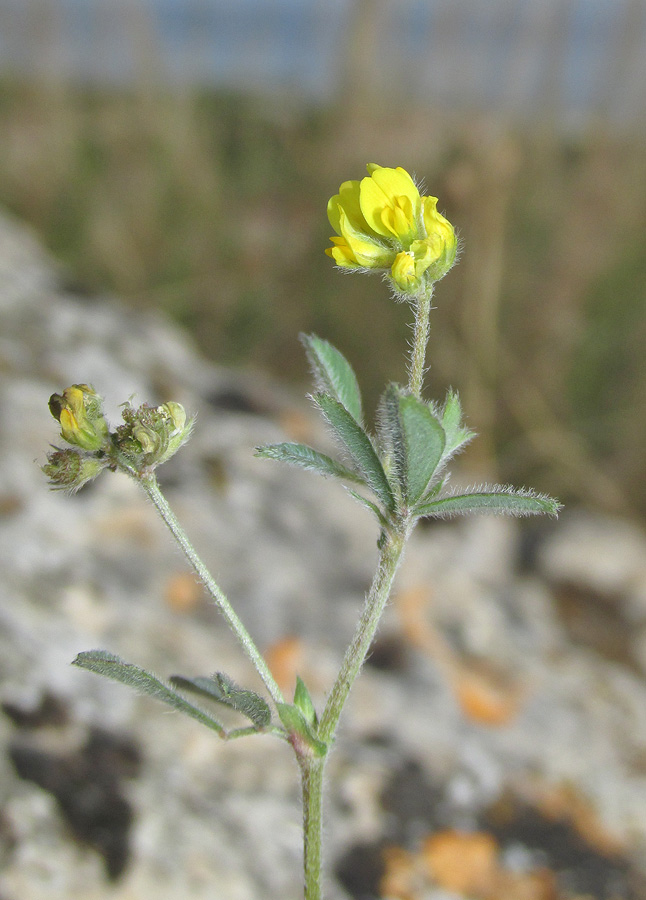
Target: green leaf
pixel 107 664
pixel 497 499
pixel 358 445
pixel 457 434
pixel 414 438
pixel 333 374
pixel 298 728
pixel 303 701
pixel 308 458
pixel 222 689
pixel 424 442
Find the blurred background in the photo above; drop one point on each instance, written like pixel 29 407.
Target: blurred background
pixel 180 154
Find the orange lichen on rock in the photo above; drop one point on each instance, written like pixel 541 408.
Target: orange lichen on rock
pixel 465 863
pixel 484 694
pixel 285 659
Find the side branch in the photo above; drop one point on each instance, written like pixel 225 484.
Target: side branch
pixel 151 487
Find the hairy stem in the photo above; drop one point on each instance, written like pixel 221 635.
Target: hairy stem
pixel 420 340
pixel 390 556
pixel 312 784
pixel 151 487
pixel 312 768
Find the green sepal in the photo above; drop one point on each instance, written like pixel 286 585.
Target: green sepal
pixel 220 688
pixel 110 666
pixel 414 439
pixel 333 374
pixel 303 702
pixel 497 499
pixel 300 733
pixel 307 458
pixel 358 445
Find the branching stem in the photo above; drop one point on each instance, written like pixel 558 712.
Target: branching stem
pixel 390 554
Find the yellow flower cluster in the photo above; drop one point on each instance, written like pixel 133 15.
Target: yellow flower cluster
pixel 382 222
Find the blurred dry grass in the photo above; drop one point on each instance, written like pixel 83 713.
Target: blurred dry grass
pixel 212 207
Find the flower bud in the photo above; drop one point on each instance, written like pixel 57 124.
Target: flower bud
pixel 443 240
pixel 79 411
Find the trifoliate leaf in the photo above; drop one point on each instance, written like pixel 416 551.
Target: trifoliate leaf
pixel 107 664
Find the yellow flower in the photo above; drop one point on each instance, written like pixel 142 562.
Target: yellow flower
pixel 382 222
pixel 78 409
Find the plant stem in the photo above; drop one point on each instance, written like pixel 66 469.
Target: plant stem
pixel 151 487
pixel 312 784
pixel 420 340
pixel 312 768
pixel 389 559
pixel 390 556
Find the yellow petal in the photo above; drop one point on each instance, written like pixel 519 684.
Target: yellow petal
pixel 366 251
pixel 342 254
pixel 434 222
pixel 347 200
pixel 390 203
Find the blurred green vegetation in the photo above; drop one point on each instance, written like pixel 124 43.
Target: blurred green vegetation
pixel 211 207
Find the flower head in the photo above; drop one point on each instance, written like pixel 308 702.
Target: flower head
pixel 383 223
pixel 152 434
pixel 69 470
pixel 80 414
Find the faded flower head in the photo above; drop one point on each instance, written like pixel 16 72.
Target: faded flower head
pixel 151 434
pixel 69 470
pixel 80 414
pixel 382 223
